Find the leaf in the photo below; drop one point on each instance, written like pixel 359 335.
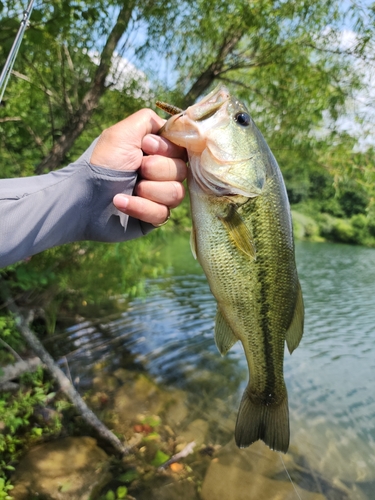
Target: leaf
pixel 122 491
pixel 160 458
pixel 110 495
pixel 152 420
pixel 65 487
pixel 128 476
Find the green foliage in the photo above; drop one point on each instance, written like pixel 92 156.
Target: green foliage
pixel 121 492
pixel 19 425
pixel 9 336
pixel 128 476
pixel 305 227
pixel 278 56
pixel 5 487
pixel 160 458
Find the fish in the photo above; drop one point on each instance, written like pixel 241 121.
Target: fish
pixel 243 239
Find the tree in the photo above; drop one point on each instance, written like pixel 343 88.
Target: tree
pixel 64 68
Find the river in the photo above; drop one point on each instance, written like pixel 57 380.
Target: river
pixel 330 377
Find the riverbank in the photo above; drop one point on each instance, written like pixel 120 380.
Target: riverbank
pixel 309 226
pixel 174 455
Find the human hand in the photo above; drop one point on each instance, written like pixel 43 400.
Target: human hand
pixel 124 146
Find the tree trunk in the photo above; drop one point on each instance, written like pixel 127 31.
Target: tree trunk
pixel 78 121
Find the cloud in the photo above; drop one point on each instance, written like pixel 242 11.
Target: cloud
pixel 126 77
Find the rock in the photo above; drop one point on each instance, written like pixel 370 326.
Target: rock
pixel 181 490
pixel 253 473
pixel 74 468
pixel 176 410
pixel 335 452
pixel 105 383
pixel 123 375
pixel 196 431
pixel 143 397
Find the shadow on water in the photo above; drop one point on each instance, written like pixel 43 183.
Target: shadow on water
pixel 330 377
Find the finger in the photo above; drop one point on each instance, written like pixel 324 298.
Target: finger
pixel 156 145
pixel 124 140
pixel 127 134
pixel 143 122
pixel 166 193
pixel 142 209
pixel 161 168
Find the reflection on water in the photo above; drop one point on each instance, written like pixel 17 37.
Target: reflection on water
pixel 330 377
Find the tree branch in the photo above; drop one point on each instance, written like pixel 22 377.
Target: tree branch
pixel 61 379
pixel 10 372
pixel 11 119
pixel 11 350
pixel 29 80
pixel 78 121
pixel 210 73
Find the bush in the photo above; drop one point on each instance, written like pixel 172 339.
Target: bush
pixel 305 227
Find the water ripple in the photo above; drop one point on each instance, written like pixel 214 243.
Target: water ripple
pixel 330 377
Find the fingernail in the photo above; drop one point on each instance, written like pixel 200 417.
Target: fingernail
pixel 121 201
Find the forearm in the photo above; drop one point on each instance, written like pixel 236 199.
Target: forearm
pixel 71 204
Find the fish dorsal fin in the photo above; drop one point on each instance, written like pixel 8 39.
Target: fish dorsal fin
pixel 224 336
pixel 239 232
pixel 193 242
pixel 295 331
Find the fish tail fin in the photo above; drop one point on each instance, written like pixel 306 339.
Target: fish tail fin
pixel 268 422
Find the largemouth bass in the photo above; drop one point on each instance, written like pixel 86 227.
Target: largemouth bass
pixel 242 237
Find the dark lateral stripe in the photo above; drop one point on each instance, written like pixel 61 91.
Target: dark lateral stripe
pixel 263 279
pixel 267 334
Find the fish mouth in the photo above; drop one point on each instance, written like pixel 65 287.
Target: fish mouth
pixel 208 106
pixel 184 127
pixel 205 109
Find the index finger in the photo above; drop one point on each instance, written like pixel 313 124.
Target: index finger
pixel 156 145
pixel 141 123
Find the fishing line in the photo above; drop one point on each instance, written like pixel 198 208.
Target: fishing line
pixel 7 69
pixel 290 479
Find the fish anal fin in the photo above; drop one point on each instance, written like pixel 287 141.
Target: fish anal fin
pixel 224 336
pixel 295 331
pixel 239 232
pixel 268 422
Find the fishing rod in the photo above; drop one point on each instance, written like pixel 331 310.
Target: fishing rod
pixel 7 69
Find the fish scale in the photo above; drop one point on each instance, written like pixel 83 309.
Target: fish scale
pixel 242 237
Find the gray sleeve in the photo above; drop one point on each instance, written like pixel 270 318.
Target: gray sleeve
pixel 71 204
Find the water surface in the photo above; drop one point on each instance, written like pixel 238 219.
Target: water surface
pixel 330 377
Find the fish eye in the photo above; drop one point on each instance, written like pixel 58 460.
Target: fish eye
pixel 242 119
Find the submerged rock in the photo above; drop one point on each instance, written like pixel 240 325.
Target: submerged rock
pixel 196 431
pixel 329 450
pixel 74 468
pixel 143 397
pixel 257 473
pixel 175 490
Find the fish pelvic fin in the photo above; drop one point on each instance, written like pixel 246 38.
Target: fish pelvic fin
pixel 295 331
pixel 224 335
pixel 268 422
pixel 193 242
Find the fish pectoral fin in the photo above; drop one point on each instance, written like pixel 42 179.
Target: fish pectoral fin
pixel 239 232
pixel 193 242
pixel 224 336
pixel 295 331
